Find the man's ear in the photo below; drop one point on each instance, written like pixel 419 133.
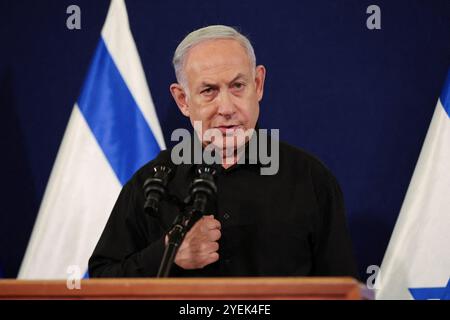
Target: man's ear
pixel 179 95
pixel 260 76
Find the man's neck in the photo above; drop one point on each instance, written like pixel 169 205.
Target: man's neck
pixel 231 159
pixel 229 162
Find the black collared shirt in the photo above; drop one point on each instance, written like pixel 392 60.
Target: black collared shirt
pixel 288 224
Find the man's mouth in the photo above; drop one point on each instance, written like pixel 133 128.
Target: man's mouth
pixel 228 129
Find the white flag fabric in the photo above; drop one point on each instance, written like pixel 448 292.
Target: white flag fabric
pixel 112 131
pixel 416 264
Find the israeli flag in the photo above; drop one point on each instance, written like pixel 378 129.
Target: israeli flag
pixel 113 130
pixel 417 261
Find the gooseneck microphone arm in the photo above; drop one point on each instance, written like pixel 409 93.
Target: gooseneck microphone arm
pixel 202 189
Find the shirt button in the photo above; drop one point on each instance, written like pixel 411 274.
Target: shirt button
pixel 226 216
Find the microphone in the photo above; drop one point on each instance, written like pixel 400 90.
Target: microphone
pixel 155 187
pixel 203 188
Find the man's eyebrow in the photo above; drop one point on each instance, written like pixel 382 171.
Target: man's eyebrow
pixel 213 85
pixel 207 84
pixel 239 76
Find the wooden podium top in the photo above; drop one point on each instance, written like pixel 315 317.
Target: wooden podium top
pixel 189 288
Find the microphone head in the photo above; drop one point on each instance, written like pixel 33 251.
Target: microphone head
pixel 203 188
pixel 206 170
pixel 155 187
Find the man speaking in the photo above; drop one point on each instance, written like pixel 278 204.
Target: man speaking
pixel 280 218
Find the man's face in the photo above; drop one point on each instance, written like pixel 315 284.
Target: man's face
pixel 223 89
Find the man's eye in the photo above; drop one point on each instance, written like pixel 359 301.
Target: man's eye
pixel 238 85
pixel 207 91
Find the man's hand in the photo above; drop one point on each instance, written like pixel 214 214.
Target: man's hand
pixel 200 245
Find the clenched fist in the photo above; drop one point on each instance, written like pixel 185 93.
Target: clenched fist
pixel 200 246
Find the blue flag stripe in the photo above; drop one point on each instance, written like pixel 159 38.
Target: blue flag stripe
pixel 445 95
pixel 115 118
pixel 431 293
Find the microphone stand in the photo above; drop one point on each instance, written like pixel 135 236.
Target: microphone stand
pixel 201 189
pixel 175 237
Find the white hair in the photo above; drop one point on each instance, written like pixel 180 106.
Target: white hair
pixel 214 32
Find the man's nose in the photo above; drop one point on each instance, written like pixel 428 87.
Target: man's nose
pixel 226 106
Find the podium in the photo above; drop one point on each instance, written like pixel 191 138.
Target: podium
pixel 283 288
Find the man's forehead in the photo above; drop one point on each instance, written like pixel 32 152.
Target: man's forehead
pixel 211 58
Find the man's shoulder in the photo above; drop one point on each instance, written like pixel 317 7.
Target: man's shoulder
pixel 305 165
pixel 299 162
pixel 297 157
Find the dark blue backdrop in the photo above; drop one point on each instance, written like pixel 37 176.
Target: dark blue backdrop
pixel 360 100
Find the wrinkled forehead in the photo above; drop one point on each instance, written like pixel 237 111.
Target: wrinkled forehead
pixel 220 58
